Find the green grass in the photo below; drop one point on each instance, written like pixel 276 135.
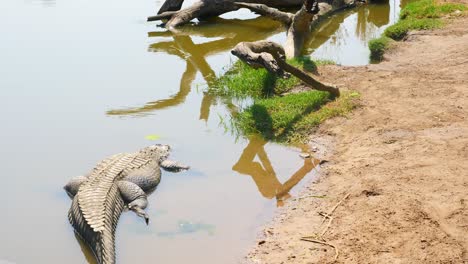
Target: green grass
pixel 417 15
pixel 242 81
pixel 421 15
pixel 291 118
pixel 377 48
pixel 399 30
pixel 429 9
pixel 284 119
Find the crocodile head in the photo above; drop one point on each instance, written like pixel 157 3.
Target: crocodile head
pixel 159 152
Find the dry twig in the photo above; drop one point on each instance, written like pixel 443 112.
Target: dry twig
pixel 328 216
pixel 310 239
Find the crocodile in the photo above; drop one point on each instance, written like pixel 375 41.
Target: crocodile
pixel 119 182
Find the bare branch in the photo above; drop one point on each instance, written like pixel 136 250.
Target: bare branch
pixel 270 12
pixel 165 15
pixel 203 9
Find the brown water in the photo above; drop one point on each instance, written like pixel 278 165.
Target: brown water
pixel 81 80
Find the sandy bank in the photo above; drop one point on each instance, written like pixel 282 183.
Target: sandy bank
pixel 402 156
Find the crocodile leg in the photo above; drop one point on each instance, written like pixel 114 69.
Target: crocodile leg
pixel 147 178
pixel 73 185
pixel 135 198
pixel 173 166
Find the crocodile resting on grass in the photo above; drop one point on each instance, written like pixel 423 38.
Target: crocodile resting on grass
pixel 118 182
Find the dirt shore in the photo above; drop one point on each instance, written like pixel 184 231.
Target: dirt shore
pixel 402 157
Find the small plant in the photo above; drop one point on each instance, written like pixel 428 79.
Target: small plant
pixel 377 48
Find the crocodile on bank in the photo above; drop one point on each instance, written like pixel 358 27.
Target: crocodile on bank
pixel 120 181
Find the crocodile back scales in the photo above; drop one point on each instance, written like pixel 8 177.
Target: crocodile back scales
pixel 96 208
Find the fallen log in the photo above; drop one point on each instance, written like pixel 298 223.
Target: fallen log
pixel 171 5
pixel 298 25
pixel 203 9
pixel 271 56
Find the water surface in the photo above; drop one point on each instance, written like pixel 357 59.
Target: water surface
pixel 82 80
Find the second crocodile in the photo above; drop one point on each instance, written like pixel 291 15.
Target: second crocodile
pixel 123 180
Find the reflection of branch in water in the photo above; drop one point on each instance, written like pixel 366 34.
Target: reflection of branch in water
pixel 361 27
pixel 182 45
pixel 325 29
pixel 283 193
pixel 207 101
pixel 178 98
pixel 263 173
pixel 377 14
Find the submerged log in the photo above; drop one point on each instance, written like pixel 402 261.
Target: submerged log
pixel 271 56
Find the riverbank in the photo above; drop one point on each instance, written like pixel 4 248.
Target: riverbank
pixel 401 157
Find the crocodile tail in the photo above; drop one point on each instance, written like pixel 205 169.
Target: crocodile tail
pixel 102 242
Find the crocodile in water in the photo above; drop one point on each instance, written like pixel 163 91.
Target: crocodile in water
pixel 123 180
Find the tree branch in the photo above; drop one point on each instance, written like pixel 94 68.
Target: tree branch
pixel 271 56
pixel 270 12
pixel 209 8
pixel 165 15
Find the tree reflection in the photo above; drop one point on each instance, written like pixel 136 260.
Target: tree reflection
pixel 228 33
pixel 379 15
pixel 369 19
pixel 231 31
pixel 263 173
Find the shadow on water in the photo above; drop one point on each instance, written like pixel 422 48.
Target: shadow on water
pixel 263 173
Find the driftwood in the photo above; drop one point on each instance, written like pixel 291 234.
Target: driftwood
pixel 271 56
pixel 203 9
pixel 298 25
pixel 171 5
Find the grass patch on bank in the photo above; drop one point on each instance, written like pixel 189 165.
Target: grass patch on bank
pixel 291 118
pixel 429 9
pixel 242 81
pixel 417 15
pixel 399 30
pixel 377 48
pixel 274 115
pixel 421 15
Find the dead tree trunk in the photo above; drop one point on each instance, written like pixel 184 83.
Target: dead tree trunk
pixel 298 24
pixel 203 9
pixel 271 56
pixel 171 5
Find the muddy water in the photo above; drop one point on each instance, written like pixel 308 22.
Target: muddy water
pixel 81 80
